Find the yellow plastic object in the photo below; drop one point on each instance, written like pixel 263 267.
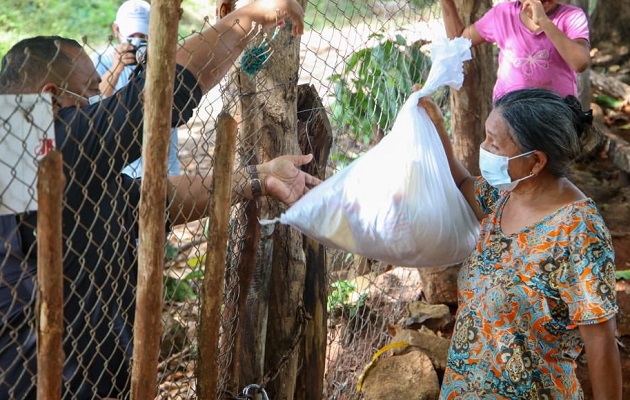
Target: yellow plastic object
pixel 395 345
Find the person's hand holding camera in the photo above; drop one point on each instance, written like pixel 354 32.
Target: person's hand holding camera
pixel 126 55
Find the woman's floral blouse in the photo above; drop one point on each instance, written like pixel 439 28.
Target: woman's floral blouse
pixel 521 298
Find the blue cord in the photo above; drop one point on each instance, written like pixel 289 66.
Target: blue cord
pixel 254 58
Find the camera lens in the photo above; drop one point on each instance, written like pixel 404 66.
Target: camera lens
pixel 141 53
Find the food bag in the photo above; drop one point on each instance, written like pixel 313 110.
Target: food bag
pixel 398 202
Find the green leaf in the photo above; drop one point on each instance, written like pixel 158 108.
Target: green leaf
pixel 357 57
pixel 197 274
pixel 171 252
pixel 375 83
pixel 196 262
pixel 177 290
pixel 623 275
pixel 609 102
pixel 400 40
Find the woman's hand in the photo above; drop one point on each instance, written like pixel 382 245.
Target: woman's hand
pixel 432 109
pixel 461 176
pixel 284 181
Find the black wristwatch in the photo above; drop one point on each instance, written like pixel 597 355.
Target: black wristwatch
pixel 256 184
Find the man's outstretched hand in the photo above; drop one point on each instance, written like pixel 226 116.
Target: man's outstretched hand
pixel 284 181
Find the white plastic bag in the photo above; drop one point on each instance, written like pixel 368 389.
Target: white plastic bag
pixel 398 202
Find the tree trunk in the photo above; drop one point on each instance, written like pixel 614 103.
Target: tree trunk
pixel 315 136
pixel 584 80
pixel 471 105
pixel 610 22
pixel 277 81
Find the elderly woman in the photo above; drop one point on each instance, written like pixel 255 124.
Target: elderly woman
pixel 540 285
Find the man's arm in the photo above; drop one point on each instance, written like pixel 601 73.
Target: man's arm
pixel 281 179
pixel 576 53
pixel 110 78
pixel 209 54
pixel 454 25
pixel 602 357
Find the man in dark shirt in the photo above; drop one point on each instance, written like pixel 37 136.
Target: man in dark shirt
pixel 100 204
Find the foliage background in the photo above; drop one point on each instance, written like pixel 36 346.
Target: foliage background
pixel 77 19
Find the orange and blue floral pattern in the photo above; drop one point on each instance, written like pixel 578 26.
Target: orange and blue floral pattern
pixel 521 297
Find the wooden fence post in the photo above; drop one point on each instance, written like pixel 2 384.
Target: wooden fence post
pixel 212 291
pixel 51 183
pixel 158 103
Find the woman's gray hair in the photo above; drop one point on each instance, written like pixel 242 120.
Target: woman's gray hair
pixel 540 119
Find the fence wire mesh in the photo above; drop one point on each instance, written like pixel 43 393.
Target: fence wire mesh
pixel 361 58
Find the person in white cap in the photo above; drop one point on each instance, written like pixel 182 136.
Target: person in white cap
pixel 116 65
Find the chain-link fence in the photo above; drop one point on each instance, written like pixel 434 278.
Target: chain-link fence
pixel 334 94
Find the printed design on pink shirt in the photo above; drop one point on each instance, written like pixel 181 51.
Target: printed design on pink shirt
pixel 527 65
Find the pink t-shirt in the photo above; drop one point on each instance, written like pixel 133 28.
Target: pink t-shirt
pixel 528 59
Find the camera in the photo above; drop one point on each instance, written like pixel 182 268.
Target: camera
pixel 140 49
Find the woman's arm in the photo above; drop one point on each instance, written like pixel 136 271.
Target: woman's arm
pixel 602 356
pixel 462 177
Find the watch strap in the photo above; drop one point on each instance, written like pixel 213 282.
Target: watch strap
pixel 255 183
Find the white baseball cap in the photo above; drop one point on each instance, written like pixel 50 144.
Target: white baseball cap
pixel 133 17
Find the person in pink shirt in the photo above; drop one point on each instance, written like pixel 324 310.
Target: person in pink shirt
pixel 542 43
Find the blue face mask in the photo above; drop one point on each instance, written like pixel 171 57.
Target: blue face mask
pixel 91 100
pixel 494 169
